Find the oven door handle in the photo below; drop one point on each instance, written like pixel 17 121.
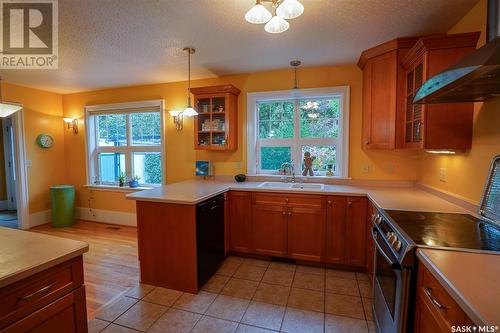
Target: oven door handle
pixel 394 265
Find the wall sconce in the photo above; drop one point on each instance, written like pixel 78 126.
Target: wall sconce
pixel 177 116
pixel 72 123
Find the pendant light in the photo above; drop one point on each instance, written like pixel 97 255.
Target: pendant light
pixel 258 14
pixel 189 111
pixel 6 109
pixel 290 9
pixel 275 23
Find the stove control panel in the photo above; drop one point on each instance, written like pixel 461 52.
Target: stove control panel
pixel 391 237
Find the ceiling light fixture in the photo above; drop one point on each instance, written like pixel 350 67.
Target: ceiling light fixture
pixel 6 108
pixel 189 111
pixel 283 10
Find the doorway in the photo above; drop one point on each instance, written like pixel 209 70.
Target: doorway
pixel 8 179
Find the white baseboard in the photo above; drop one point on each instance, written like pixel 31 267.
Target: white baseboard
pixel 106 216
pixel 39 218
pixel 4 204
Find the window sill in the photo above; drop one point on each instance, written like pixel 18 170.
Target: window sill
pixel 115 188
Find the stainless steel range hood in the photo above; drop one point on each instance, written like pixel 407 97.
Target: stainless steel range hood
pixel 475 78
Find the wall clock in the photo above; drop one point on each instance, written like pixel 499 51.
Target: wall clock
pixel 44 141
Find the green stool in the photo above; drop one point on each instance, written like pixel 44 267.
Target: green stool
pixel 63 205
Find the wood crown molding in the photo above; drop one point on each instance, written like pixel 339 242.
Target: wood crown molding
pixel 394 44
pixel 222 89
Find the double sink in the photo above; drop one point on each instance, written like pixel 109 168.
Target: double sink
pixel 295 186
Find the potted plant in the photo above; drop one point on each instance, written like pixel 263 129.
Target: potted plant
pixel 122 179
pixel 134 181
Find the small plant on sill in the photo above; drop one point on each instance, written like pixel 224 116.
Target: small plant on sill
pixel 122 179
pixel 134 181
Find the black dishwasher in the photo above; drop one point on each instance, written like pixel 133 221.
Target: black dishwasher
pixel 209 237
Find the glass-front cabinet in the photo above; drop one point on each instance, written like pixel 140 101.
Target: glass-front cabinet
pixel 217 120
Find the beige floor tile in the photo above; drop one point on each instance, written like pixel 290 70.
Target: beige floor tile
pixel 365 288
pixel 175 321
pixel 340 324
pixel 283 266
pixel 342 286
pixel 341 274
pixel 256 262
pixel 96 325
pixel 163 296
pixel 227 307
pixel 309 281
pixel 216 283
pixel 362 276
pixel 311 269
pixel 228 268
pixel 214 325
pixel 240 288
pixel 264 315
pixel 283 278
pixel 344 305
pixel 141 316
pixel 249 272
pixel 113 328
pixel 307 300
pixel 242 328
pixel 195 303
pixel 139 291
pixel 300 321
pixel 272 294
pixel 234 259
pixel 115 309
pixel 367 306
pixel 371 327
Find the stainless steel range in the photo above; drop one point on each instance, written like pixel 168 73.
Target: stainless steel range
pixel 397 234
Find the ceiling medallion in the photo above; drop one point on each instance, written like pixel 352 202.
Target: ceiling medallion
pixel 283 10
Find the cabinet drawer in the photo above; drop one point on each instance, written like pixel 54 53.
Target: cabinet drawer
pixel 287 199
pixel 438 299
pixel 34 292
pixel 67 314
pixel 268 199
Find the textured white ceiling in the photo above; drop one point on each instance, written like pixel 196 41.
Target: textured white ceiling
pixel 109 43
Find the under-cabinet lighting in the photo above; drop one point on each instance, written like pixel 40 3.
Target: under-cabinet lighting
pixel 444 152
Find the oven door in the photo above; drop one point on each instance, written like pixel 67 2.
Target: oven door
pixel 390 289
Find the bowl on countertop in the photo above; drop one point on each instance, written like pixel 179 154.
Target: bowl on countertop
pixel 240 178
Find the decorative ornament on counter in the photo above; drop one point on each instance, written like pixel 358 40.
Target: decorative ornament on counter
pixel 44 141
pixel 308 161
pixel 329 172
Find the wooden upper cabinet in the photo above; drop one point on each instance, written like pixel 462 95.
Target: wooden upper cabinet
pixel 436 126
pixel 240 221
pixel 383 95
pixel 216 125
pixel 355 247
pixel 306 228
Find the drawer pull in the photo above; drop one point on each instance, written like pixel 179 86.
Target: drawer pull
pixel 427 291
pixel 38 292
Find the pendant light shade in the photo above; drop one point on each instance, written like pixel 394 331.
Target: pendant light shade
pixel 290 9
pixel 189 111
pixel 6 108
pixel 277 25
pixel 258 14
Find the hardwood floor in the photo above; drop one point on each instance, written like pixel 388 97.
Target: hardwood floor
pixel 110 266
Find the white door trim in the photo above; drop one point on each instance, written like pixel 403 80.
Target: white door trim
pixel 21 170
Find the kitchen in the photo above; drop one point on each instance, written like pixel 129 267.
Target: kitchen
pixel 366 198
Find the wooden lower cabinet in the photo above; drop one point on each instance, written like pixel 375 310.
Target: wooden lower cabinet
pixel 240 221
pixel 435 309
pixel 335 230
pixel 50 301
pixel 306 229
pixel 269 229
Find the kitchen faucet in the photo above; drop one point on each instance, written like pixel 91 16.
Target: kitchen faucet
pixel 287 167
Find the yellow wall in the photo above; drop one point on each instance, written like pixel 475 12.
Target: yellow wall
pixel 467 172
pixel 180 155
pixel 42 114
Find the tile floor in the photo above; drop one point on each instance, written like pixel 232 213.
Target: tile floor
pixel 248 296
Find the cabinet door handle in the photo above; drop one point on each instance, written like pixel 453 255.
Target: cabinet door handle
pixel 286 200
pixel 289 213
pixel 427 291
pixel 329 202
pixel 367 142
pixel 284 213
pixel 349 203
pixel 38 292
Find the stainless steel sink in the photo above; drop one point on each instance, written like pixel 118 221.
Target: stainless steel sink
pixel 308 186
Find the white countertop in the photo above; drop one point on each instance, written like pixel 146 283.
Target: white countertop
pixel 402 198
pixel 470 278
pixel 24 253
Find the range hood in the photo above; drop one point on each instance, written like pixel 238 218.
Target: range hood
pixel 475 78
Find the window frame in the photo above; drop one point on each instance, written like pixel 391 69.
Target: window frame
pixel 341 143
pixel 91 138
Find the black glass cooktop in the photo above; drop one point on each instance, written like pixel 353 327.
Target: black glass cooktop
pixel 448 230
